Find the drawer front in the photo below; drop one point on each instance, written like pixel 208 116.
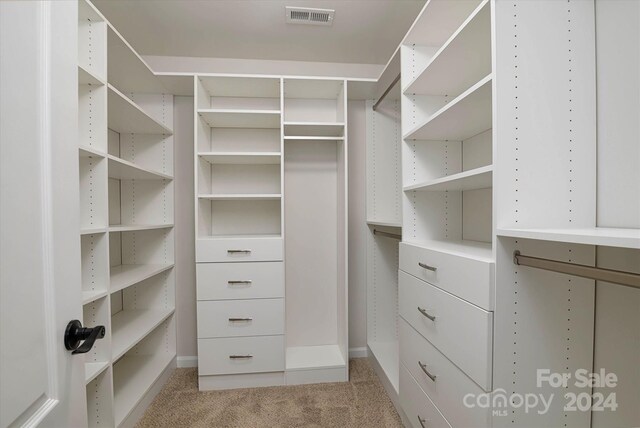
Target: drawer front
pixel 257 355
pixel 445 384
pixel 239 250
pixel 419 409
pixel 461 331
pixel 220 281
pixel 230 318
pixel 469 279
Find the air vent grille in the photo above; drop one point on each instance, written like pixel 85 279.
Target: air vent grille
pixel 309 16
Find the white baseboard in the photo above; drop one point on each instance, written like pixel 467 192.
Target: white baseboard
pixel 358 352
pixel 185 362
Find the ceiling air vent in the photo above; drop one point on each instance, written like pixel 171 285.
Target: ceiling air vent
pixel 309 16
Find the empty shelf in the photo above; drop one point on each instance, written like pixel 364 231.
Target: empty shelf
pixel 90 152
pixel 93 230
pixel 87 77
pixel 314 357
pixel 129 327
pixel 313 130
pixel 383 223
pixel 125 116
pixel 92 370
pixel 241 197
pixel 125 170
pixel 137 227
pixel 92 296
pixel 227 118
pixel 467 115
pixel 312 138
pixel 468 51
pixel 240 158
pixel 123 276
pixel 604 236
pixel 133 376
pixel 388 356
pixel 478 178
pixel 477 250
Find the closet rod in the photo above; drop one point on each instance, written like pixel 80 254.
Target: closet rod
pixel 387 234
pixel 628 279
pixel 384 94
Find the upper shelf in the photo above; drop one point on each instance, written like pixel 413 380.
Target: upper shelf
pixel 125 116
pixel 604 236
pixel 126 70
pixel 314 129
pixel 241 158
pixel 125 170
pixel 478 178
pixel 468 52
pixel 228 118
pixel 467 115
pixel 438 20
pixel 252 87
pixel 313 88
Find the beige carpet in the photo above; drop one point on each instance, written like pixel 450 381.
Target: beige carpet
pixel 361 402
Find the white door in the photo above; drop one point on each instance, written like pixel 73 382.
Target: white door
pixel 41 383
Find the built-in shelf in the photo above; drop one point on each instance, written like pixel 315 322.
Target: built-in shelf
pixel 93 369
pixel 388 356
pixel 90 152
pixel 480 251
pixel 313 130
pixel 127 117
pixel 133 376
pixel 138 227
pixel 241 158
pixel 128 327
pixel 467 115
pixel 314 357
pixel 383 223
pixel 312 138
pixel 123 276
pixel 248 236
pixel 468 51
pixel 241 197
pixel 92 295
pixel 604 236
pixel 231 118
pixel 87 77
pixel 125 170
pixel 478 178
pixel 93 230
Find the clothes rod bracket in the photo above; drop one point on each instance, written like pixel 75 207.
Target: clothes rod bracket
pixel 628 279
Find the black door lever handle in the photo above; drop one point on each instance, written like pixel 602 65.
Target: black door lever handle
pixel 75 333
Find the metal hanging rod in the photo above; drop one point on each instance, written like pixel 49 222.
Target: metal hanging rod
pixel 387 234
pixel 386 92
pixel 628 279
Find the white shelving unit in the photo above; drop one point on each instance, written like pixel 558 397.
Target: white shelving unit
pixel 126 166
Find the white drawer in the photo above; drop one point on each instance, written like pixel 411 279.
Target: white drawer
pixel 461 331
pixel 219 281
pixel 256 355
pixel 229 318
pixel 418 408
pixel 239 249
pixel 450 385
pixel 470 279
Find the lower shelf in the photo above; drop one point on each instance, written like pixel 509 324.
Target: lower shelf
pixel 314 357
pixel 133 376
pixel 92 370
pixel 388 356
pixel 131 326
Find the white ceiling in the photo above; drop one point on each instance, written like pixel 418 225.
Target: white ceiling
pixel 364 31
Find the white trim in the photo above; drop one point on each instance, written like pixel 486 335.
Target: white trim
pixel 186 362
pixel 360 352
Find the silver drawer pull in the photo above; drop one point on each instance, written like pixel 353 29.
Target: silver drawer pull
pixel 426 314
pixel 424 369
pixel 422 422
pixel 240 319
pixel 240 357
pixel 239 251
pixel 427 267
pixel 248 281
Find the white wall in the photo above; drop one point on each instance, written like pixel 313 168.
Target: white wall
pixel 185 238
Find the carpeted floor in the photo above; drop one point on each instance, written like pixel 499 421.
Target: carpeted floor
pixel 361 402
